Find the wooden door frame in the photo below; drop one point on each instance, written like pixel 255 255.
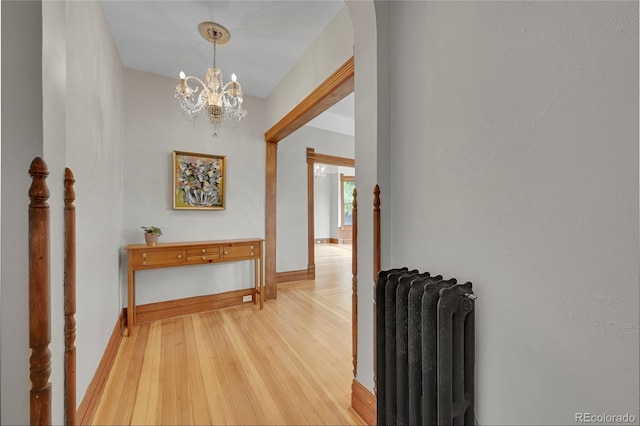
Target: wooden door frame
pixel 331 91
pixel 313 158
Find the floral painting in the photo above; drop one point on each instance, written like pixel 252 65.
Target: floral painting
pixel 198 181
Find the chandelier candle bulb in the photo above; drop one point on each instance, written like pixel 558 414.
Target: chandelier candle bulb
pixel 183 82
pixel 235 86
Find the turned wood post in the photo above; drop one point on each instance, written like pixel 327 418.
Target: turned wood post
pixel 354 281
pixel 39 295
pixel 69 299
pixel 376 232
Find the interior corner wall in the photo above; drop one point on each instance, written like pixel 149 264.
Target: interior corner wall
pixel 335 207
pixel 54 117
pixel 366 56
pixel 332 48
pixel 21 142
pixel 152 134
pixel 291 217
pixel 324 193
pixel 94 145
pixel 517 150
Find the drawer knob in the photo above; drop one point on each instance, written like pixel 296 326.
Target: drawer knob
pixel 179 256
pixel 226 252
pixel 203 250
pixel 204 257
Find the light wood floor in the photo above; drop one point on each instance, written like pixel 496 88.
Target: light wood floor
pixel 287 364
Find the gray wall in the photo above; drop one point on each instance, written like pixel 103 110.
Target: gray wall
pixel 516 148
pixel 21 142
pixel 326 192
pixel 291 221
pixel 73 118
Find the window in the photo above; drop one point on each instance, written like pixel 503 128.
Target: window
pixel 347 184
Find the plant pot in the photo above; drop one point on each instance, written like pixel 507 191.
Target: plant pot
pixel 151 239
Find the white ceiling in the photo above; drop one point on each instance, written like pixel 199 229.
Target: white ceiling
pixel 267 39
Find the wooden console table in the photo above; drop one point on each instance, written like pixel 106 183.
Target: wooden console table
pixel 171 255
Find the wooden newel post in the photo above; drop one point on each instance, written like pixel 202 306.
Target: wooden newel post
pixel 39 295
pixel 69 299
pixel 376 232
pixel 354 282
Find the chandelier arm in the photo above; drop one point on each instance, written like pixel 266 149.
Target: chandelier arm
pixel 224 88
pixel 194 78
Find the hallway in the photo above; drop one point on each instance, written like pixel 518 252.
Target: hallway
pixel 287 364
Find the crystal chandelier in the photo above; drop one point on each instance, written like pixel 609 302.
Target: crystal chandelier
pixel 221 102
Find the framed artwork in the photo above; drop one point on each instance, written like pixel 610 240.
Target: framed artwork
pixel 198 181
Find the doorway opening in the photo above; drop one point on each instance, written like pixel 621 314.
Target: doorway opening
pixel 332 185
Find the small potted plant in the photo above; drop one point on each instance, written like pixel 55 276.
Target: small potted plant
pixel 151 234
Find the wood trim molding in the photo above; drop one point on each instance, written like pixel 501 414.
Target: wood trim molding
pixel 311 254
pixel 315 157
pixel 330 92
pixel 326 241
pixel 363 402
pixel 271 290
pixel 89 404
pixel 190 305
pixel 288 276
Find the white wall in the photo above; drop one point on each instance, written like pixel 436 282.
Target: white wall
pixel 291 221
pixel 151 137
pixel 77 113
pixel 334 206
pixel 21 142
pixel 516 146
pixel 324 195
pixel 95 135
pixel 332 48
pixel 366 56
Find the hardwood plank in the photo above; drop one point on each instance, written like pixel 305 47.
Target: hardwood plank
pixel 168 372
pixel 146 403
pixel 197 395
pixel 289 363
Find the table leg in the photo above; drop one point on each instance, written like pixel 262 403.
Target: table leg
pixel 261 283
pixel 256 284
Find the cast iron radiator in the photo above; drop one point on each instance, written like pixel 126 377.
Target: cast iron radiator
pixel 424 349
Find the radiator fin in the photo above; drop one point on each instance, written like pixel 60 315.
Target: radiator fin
pixel 425 348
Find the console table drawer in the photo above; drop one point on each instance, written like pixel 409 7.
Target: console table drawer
pixel 158 258
pixel 203 254
pixel 203 250
pixel 203 257
pixel 240 251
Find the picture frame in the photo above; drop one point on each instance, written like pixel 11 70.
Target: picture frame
pixel 198 181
